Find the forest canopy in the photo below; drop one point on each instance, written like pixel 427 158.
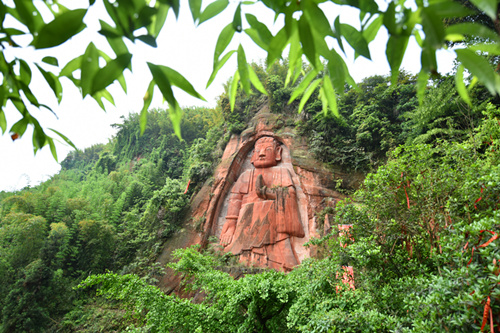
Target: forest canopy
pixel 305 32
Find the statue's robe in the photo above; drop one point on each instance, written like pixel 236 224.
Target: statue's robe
pixel 264 227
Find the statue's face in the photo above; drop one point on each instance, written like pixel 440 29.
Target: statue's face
pixel 264 155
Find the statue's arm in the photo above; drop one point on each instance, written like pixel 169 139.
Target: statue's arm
pixel 232 216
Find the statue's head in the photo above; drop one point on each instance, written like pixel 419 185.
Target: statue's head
pixel 267 152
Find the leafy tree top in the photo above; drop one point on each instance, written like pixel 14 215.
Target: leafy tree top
pixel 306 33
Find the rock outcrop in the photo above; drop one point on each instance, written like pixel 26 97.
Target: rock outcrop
pixel 264 213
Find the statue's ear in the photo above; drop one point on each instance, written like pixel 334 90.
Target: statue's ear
pixel 254 157
pixel 278 153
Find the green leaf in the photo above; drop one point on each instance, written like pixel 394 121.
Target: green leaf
pixel 98 96
pixel 422 80
pixel 123 83
pixel 449 9
pixel 20 126
pixel 213 9
pixel 254 35
pixel 473 83
pixel 24 72
pixel 237 19
pixel 489 7
pixel 29 95
pixel 218 66
pixel 116 42
pixel 52 148
pixel 321 46
pixel 51 61
pixel 163 82
pixel 3 121
pixel 255 80
pixel 108 31
pixel 53 82
pixel 13 32
pixel 19 104
pixel 308 93
pixel 428 59
pixel 195 7
pixel 262 30
pixel 396 48
pixel 148 97
pixel 481 68
pixel 111 72
pixel 175 4
pixel 159 19
pixel 329 93
pixel 276 46
pixel 390 19
pixel 62 136
pixel 337 70
pixel 90 66
pixel 56 7
pixel 26 13
pixel 3 91
pixel 148 39
pixel 3 12
pixel 294 58
pixel 460 84
pixel 338 33
pixel 59 30
pixel 274 5
pixel 315 14
pixel 368 6
pixel 175 113
pixel 71 67
pixel 307 40
pixel 233 89
pixel 303 85
pixel 223 41
pixel 145 17
pixel 324 100
pixel 39 136
pixel 418 38
pixel 111 10
pixel 433 28
pixel 473 29
pixel 243 70
pixel 489 48
pixel 372 30
pixel 176 79
pixel 356 40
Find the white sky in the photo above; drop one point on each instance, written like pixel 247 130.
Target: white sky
pixel 181 46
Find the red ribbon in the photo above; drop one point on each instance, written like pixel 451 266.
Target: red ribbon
pixel 187 187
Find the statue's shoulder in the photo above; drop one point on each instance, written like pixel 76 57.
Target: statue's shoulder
pixel 243 183
pixel 285 175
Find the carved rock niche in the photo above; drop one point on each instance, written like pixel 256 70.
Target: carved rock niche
pixel 262 216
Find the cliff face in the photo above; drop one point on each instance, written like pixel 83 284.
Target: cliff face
pixel 309 187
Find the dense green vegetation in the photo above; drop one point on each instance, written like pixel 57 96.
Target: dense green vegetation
pixel 425 253
pixel 110 208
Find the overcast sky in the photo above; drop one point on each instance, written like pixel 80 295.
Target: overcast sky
pixel 182 46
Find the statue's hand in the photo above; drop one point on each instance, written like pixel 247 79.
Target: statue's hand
pixel 260 187
pixel 227 233
pixel 262 191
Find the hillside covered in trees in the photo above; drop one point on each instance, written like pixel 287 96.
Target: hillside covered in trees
pixel 79 252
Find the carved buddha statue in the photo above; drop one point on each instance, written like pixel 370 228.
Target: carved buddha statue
pixel 263 213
